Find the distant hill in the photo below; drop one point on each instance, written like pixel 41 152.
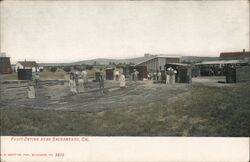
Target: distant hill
pixel 136 60
pixel 106 61
pixel 100 61
pixel 54 64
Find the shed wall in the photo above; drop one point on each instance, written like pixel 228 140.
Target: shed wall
pixel 24 74
pixel 243 74
pixel 5 67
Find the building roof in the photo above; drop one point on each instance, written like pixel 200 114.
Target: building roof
pixel 234 54
pixel 179 64
pixel 158 56
pixel 168 56
pixel 222 62
pixel 28 63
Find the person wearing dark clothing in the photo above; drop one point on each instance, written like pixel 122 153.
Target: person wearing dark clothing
pixel 101 84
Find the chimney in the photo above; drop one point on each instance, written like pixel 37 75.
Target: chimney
pixel 244 50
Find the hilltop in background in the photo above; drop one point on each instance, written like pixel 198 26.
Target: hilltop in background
pixel 107 61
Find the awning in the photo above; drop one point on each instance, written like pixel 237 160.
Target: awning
pixel 222 62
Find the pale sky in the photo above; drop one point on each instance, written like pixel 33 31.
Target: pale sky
pixel 67 31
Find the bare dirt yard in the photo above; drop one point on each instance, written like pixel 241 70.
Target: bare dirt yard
pixel 56 96
pixel 203 108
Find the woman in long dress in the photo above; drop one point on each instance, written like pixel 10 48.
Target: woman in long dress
pixel 72 86
pixel 80 85
pixel 31 91
pixel 122 81
pixel 84 76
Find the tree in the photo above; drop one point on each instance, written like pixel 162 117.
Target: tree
pixel 67 69
pixel 53 69
pixel 89 67
pixel 77 67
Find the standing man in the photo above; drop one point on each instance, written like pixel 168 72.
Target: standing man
pixel 132 76
pixel 76 77
pixel 101 83
pixel 211 72
pixel 157 76
pixel 154 75
pixel 135 75
pixel 37 78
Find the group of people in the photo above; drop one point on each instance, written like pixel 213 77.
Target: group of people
pixel 118 77
pixel 215 71
pixel 77 81
pixel 155 76
pixel 170 75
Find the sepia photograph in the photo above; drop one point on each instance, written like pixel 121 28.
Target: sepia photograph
pixel 124 68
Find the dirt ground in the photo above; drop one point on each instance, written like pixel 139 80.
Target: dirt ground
pixel 55 95
pixel 58 97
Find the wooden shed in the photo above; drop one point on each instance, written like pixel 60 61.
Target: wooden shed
pixel 5 67
pixel 24 74
pixel 109 74
pixel 237 74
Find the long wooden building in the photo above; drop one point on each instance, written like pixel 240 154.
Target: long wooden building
pixel 158 62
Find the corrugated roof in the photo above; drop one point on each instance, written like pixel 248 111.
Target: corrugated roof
pixel 222 62
pixel 168 56
pixel 179 64
pixel 28 63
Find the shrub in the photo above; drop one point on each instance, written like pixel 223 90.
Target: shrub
pixel 89 67
pixel 53 69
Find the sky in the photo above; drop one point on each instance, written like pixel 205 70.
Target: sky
pixel 68 31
